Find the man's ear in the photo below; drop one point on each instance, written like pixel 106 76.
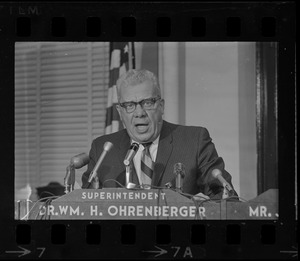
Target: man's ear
pixel 118 107
pixel 162 104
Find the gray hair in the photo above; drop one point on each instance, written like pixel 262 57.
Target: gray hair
pixel 133 77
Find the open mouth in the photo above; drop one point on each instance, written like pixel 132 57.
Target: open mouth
pixel 141 126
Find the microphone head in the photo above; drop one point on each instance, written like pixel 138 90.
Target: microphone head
pixel 134 146
pixel 80 160
pixel 216 172
pixel 131 153
pixel 107 146
pixel 179 168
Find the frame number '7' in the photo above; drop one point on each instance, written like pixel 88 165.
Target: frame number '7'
pixel 42 250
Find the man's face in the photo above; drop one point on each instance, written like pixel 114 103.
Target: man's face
pixel 142 125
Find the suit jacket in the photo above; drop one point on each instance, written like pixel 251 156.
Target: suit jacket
pixel 189 145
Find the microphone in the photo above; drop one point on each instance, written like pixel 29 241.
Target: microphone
pixel 128 158
pixel 76 162
pixel 217 174
pixel 168 185
pixel 179 172
pixel 131 153
pixel 80 160
pixel 106 148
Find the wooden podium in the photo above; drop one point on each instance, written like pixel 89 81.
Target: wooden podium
pixel 151 204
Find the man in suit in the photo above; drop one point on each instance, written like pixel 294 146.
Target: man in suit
pixel 141 109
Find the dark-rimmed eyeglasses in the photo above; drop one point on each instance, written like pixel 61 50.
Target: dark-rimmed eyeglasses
pixel 146 104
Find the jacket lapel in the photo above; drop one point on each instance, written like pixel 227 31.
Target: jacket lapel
pixel 123 146
pixel 165 147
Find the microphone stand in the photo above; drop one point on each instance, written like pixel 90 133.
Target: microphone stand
pixel 178 181
pixel 179 171
pixel 129 185
pixel 226 191
pixel 69 179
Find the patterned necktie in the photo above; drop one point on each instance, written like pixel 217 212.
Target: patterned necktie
pixel 147 165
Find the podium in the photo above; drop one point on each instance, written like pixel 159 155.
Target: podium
pixel 148 204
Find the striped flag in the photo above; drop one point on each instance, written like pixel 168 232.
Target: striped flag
pixel 120 61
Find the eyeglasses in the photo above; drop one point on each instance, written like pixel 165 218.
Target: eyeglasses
pixel 146 104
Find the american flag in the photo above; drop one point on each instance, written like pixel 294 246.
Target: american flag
pixel 121 59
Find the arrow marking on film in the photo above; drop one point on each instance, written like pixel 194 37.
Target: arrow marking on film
pixel 159 252
pixel 23 252
pixel 293 252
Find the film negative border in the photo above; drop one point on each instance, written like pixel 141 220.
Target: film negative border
pixel 262 22
pixel 149 21
pixel 188 240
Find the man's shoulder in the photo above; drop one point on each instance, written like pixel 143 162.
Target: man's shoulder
pixel 184 128
pixel 113 137
pixel 183 132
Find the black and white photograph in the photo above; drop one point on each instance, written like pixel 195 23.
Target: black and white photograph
pixel 146 131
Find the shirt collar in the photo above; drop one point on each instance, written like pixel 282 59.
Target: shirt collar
pixel 155 142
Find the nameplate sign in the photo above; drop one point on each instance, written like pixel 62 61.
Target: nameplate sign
pixel 264 206
pixel 118 203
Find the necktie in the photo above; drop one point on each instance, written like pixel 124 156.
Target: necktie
pixel 147 165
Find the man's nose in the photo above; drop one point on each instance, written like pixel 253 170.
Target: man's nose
pixel 139 111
